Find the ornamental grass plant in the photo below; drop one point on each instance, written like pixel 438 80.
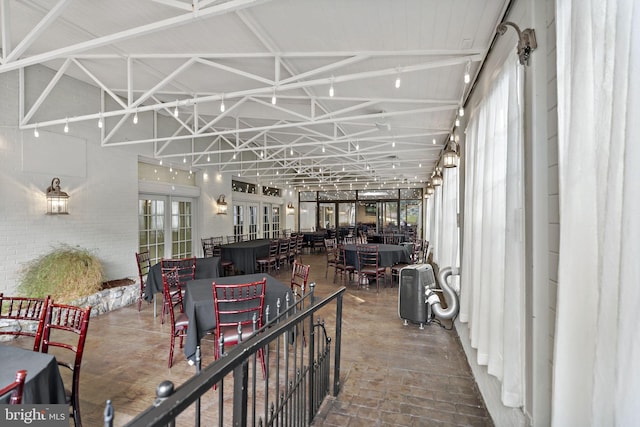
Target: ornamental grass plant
pixel 66 273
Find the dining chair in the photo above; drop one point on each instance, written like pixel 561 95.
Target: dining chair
pixel 341 267
pixel 269 262
pixel 239 312
pixel 65 328
pixel 207 247
pixel 330 247
pixel 23 310
pixel 143 260
pixel 186 271
pixel 416 254
pixel 16 388
pixel 227 265
pixel 369 265
pixel 299 278
pixel 299 245
pixel 180 324
pixel 283 253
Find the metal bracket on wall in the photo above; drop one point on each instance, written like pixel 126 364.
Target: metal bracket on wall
pixel 526 40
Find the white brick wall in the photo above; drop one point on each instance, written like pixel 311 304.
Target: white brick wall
pixel 102 205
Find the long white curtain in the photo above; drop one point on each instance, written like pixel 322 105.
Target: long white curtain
pixel 492 276
pixel 442 220
pixel 596 373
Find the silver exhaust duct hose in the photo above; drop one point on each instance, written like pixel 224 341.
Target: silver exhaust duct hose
pixel 449 294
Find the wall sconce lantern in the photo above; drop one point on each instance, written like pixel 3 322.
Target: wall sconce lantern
pixel 429 190
pixel 436 179
pixel 222 205
pixel 57 201
pixel 290 209
pixel 450 158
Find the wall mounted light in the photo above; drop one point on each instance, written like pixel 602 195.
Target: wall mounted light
pixel 222 205
pixel 290 209
pixel 436 179
pixel 57 201
pixel 429 190
pixel 450 158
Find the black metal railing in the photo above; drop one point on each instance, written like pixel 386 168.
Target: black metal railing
pixel 299 373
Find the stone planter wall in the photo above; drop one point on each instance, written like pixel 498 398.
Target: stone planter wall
pixel 100 302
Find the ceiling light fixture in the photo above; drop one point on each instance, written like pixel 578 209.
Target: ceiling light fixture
pixel 208 158
pixel 331 90
pixel 135 118
pixel 461 111
pixel 273 97
pixel 100 122
pixel 457 121
pixel 393 144
pixel 450 158
pixel 222 104
pixel 434 141
pixel 36 133
pixel 398 81
pixel 66 126
pixel 176 113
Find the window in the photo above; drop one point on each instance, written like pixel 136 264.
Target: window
pixel 275 224
pixel 181 238
pixel 166 233
pixel 266 222
pixel 238 220
pixel 151 228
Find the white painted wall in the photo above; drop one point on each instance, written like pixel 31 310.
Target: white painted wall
pixel 103 198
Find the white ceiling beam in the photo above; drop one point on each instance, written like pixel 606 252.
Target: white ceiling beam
pixel 326 68
pixel 226 113
pixel 5 29
pixel 45 93
pixel 100 84
pixel 40 27
pixel 220 9
pixel 163 82
pixel 232 70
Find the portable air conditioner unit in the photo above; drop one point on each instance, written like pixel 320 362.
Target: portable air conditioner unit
pixel 413 282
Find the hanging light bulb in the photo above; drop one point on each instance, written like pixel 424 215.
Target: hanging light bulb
pixel 457 121
pixel 135 118
pixel 467 76
pixel 66 126
pixel 36 133
pixel 398 81
pixel 323 148
pixel 222 108
pixel 434 141
pixel 461 111
pixel 100 122
pixel 234 156
pixel 160 162
pixel 176 113
pixel 273 97
pixel 291 151
pixel 184 159
pixel 331 90
pixel 208 158
pixel 357 146
pixel 393 144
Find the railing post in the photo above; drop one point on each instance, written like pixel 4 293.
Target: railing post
pixel 198 367
pixel 336 367
pixel 312 365
pixel 108 414
pixel 240 394
pixel 163 391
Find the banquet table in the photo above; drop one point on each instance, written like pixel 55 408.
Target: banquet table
pixel 379 237
pixel 43 384
pixel 198 304
pixel 388 255
pixel 244 254
pixel 205 267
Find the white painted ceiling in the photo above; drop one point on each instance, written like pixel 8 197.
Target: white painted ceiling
pixel 147 56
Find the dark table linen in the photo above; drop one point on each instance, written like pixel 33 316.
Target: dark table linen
pixel 379 237
pixel 388 255
pixel 205 268
pixel 198 304
pixel 43 384
pixel 244 254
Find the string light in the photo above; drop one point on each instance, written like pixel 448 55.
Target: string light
pixel 393 144
pixel 331 91
pixel 467 76
pixel 273 97
pixel 100 123
pixel 176 113
pixel 66 126
pixel 222 108
pixel 398 81
pixel 36 133
pixel 135 118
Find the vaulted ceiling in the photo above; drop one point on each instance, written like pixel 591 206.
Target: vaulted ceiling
pixel 318 93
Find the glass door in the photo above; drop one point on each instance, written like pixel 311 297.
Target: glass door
pixel 252 211
pixel 238 221
pixel 266 221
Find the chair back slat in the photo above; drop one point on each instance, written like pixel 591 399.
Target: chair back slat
pixel 28 310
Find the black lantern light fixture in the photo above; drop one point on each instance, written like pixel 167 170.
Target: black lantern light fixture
pixel 57 201
pixel 222 205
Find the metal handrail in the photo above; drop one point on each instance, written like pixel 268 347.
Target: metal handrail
pixel 167 409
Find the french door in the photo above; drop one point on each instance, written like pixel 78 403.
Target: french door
pixel 165 226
